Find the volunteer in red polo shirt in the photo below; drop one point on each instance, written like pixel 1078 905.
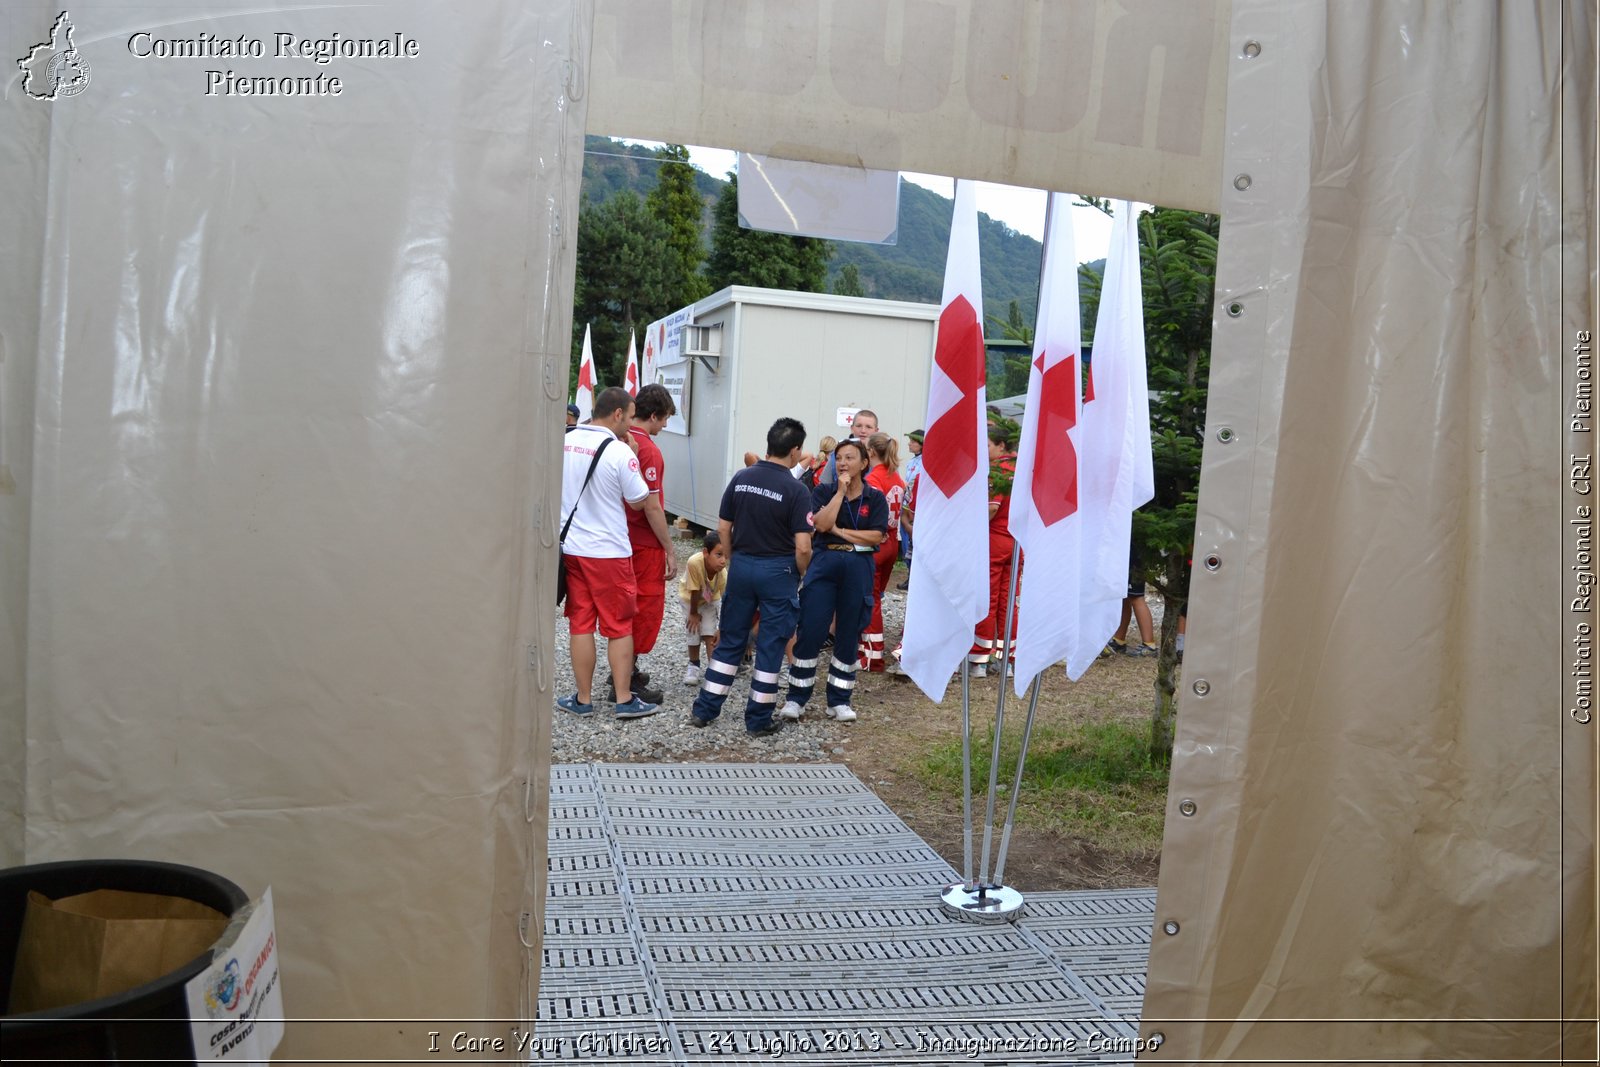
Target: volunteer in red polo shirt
pixel 653 562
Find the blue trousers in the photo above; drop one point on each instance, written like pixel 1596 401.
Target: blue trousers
pixel 768 583
pixel 837 584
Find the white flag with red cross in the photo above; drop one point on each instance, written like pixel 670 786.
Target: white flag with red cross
pixel 1117 473
pixel 949 592
pixel 1045 517
pixel 588 383
pixel 630 377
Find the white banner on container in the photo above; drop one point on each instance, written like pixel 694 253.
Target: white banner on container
pixel 236 1004
pixel 664 364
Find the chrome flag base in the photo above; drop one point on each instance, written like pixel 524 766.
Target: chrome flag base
pixel 987 905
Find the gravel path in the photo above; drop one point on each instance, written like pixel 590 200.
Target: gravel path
pixel 667 735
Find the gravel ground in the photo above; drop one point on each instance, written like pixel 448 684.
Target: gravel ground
pixel 667 735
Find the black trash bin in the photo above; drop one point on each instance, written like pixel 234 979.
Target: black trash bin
pixel 149 1022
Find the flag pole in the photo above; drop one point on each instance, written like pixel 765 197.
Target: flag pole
pixel 999 720
pixel 985 902
pixel 966 778
pixel 1016 783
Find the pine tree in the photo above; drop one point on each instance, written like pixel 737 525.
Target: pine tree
pixel 1178 262
pixel 625 280
pixel 677 204
pixel 849 282
pixel 758 257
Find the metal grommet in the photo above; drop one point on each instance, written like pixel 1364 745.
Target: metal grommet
pixel 1156 1040
pixel 1235 308
pixel 1213 562
pixel 1188 807
pixel 1251 49
pixel 1169 928
pixel 1241 182
pixel 1201 687
pixel 1226 435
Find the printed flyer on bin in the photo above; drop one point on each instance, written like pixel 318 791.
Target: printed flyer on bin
pixel 236 1004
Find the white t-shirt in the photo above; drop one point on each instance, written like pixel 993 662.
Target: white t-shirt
pixel 600 528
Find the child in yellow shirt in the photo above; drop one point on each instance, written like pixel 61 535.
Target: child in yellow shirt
pixel 705 578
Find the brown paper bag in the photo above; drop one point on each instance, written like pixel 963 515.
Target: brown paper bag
pixel 98 944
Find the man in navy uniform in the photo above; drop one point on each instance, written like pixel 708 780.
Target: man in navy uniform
pixel 765 520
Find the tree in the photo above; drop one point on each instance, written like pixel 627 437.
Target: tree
pixel 1178 254
pixel 1178 262
pixel 623 280
pixel 677 204
pixel 1011 378
pixel 758 257
pixel 849 282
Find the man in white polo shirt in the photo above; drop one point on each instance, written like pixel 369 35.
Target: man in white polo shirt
pixel 599 558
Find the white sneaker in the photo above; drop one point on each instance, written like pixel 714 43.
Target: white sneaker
pixel 692 675
pixel 978 670
pixel 842 713
pixel 790 711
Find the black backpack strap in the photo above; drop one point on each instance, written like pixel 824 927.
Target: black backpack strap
pixel 587 478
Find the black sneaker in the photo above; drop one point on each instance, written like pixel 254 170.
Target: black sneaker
pixel 650 696
pixel 640 678
pixel 773 727
pixel 698 723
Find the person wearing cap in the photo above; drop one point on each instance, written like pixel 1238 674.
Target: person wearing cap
pixel 572 416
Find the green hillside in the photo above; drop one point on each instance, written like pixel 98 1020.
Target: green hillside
pixel 910 269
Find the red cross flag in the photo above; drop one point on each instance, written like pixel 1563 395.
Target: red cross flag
pixel 1044 495
pixel 1084 467
pixel 587 380
pixel 950 593
pixel 630 378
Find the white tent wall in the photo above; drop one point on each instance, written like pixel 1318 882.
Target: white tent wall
pixel 1369 797
pixel 22 227
pixel 1125 96
pixel 293 369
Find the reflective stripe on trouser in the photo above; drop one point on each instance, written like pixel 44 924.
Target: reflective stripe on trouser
pixel 838 584
pixel 649 575
pixel 767 583
pixel 872 640
pixel 986 635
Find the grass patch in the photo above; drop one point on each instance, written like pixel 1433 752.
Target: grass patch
pixel 1091 779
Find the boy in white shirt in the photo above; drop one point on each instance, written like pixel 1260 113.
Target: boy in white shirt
pixel 601 592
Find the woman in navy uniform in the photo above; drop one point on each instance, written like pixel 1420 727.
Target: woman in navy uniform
pixel 851 519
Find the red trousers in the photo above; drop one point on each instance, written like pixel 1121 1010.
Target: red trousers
pixel 649 574
pixel 986 635
pixel 871 658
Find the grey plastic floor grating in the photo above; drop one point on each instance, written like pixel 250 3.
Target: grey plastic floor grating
pixel 753 913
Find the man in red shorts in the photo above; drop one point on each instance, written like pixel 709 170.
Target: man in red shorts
pixel 599 558
pixel 654 560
